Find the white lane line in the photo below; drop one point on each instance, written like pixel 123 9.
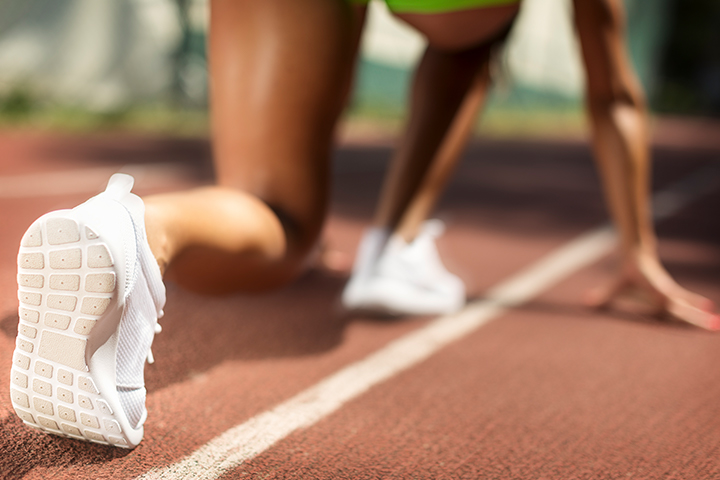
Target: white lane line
pixel 253 437
pixel 249 439
pixel 87 180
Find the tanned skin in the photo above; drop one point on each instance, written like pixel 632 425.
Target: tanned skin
pixel 280 74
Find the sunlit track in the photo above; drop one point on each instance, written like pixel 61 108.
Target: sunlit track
pixel 87 180
pixel 247 440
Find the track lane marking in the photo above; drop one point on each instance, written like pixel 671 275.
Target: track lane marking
pixel 251 438
pixel 258 434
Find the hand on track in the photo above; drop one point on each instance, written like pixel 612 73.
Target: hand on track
pixel 646 279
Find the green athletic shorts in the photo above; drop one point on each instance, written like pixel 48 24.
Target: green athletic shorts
pixel 437 6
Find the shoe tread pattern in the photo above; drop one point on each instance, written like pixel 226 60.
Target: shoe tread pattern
pixel 66 281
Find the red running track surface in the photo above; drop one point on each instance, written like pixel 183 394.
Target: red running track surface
pixel 547 390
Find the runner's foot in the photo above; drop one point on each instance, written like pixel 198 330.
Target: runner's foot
pixel 90 294
pixel 392 276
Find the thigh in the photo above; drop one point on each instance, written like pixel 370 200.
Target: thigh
pixel 278 72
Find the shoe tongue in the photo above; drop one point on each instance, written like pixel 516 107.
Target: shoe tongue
pixel 119 185
pixel 119 188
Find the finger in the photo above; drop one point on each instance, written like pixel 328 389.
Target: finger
pixel 660 280
pixel 694 299
pixel 689 313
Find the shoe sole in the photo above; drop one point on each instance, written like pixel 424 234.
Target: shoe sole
pixel 67 292
pixel 384 297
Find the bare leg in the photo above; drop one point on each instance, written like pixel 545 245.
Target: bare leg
pixel 279 71
pixel 449 90
pixel 435 135
pixel 620 138
pixel 446 158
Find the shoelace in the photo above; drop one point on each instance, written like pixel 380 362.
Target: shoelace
pixel 158 329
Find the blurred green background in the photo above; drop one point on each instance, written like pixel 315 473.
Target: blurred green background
pixel 674 45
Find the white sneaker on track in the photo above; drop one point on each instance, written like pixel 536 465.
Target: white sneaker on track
pixel 403 278
pixel 368 254
pixel 90 294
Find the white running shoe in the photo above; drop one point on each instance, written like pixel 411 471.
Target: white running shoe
pixel 371 246
pixel 392 276
pixel 90 295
